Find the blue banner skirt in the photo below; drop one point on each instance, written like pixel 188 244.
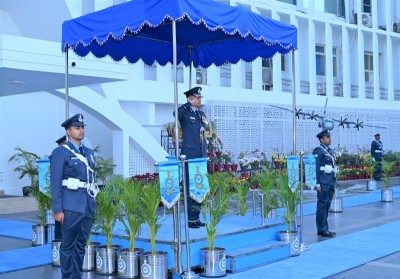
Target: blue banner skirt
pixel 198 180
pixel 44 175
pixel 310 171
pixel 169 182
pixel 293 171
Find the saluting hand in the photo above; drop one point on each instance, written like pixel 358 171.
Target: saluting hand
pixel 59 216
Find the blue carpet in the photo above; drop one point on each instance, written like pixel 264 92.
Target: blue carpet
pixel 25 258
pixel 17 229
pixel 336 255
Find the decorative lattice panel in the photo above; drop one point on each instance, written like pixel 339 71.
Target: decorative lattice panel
pixel 247 126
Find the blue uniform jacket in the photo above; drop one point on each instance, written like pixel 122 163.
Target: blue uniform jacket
pixel 324 158
pixel 191 122
pixel 63 165
pixel 377 150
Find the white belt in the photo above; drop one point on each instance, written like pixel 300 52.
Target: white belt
pixel 378 151
pixel 78 184
pixel 322 168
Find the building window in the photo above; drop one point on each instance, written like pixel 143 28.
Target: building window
pixel 369 66
pixel 267 74
pixel 320 60
pixel 179 73
pixel 366 6
pixel 283 63
pixel 225 75
pixel 335 7
pixel 335 62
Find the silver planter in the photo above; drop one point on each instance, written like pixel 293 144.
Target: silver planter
pixel 387 195
pixel 336 205
pixel 89 260
pixel 154 266
pixel 371 185
pixel 55 252
pixel 39 234
pixel 129 263
pixel 49 217
pixel 213 262
pixel 49 233
pixel 106 259
pixel 293 239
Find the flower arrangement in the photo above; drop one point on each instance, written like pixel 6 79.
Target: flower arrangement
pixel 226 157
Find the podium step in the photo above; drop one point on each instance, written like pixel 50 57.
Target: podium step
pixel 255 255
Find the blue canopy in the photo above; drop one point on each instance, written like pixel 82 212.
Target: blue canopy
pixel 214 32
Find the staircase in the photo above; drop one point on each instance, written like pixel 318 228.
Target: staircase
pixel 17 204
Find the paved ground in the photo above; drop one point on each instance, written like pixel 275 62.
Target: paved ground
pixel 354 219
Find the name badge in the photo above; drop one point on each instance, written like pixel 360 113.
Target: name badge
pixel 191 117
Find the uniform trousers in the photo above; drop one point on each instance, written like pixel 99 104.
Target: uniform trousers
pixel 323 205
pixel 75 231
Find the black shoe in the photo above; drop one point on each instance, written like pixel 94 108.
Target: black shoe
pixel 200 224
pixel 332 233
pixel 326 234
pixel 193 225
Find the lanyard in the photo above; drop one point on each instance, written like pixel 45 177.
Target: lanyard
pixel 84 160
pixel 329 154
pixel 380 145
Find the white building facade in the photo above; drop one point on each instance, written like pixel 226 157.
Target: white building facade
pixel 348 52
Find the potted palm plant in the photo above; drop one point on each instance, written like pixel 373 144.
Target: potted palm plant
pixel 153 264
pixel 267 183
pixel 387 169
pixel 289 199
pixel 28 167
pixel 212 258
pixel 241 189
pixel 108 209
pixel 41 233
pixel 337 202
pixel 371 183
pixel 129 259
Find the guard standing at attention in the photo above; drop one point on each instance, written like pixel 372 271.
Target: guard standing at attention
pixel 57 225
pixel 377 156
pixel 193 122
pixel 326 171
pixel 73 195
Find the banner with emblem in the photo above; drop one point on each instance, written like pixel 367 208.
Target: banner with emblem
pixel 169 182
pixel 293 171
pixel 198 180
pixel 310 170
pixel 44 175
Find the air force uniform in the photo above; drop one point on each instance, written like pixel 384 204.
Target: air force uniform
pixel 377 155
pixel 193 123
pixel 73 192
pixel 326 169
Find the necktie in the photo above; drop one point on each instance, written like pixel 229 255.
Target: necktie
pixel 81 150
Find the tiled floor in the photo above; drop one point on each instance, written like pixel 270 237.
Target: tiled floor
pixel 353 219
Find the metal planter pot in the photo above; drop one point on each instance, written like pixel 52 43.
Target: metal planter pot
pixel 50 233
pixel 387 195
pixel 154 266
pixel 55 252
pixel 49 217
pixel 106 259
pixel 336 205
pixel 371 185
pixel 89 260
pixel 39 234
pixel 129 263
pixel 213 262
pixel 293 239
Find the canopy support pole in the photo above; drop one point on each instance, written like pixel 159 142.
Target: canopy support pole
pixel 66 84
pixel 190 67
pixel 294 103
pixel 177 206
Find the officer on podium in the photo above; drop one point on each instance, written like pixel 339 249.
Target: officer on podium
pixel 326 171
pixel 193 122
pixel 73 195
